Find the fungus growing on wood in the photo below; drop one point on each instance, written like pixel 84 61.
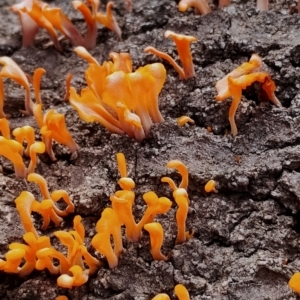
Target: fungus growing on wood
pixel 201 5
pixel 183 48
pixel 156 233
pixel 183 120
pixel 79 278
pixel 13 71
pixel 236 86
pixel 222 87
pixel 120 101
pixel 33 245
pixel 77 253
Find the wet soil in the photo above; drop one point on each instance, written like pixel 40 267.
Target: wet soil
pixel 246 243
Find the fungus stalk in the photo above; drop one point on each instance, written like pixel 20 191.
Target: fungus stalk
pixel 201 6
pixel 223 3
pixel 262 4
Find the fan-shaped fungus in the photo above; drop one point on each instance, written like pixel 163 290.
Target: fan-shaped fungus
pixel 183 120
pixel 243 76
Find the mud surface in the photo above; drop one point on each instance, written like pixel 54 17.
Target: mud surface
pixel 246 243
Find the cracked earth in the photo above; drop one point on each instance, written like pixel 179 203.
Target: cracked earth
pixel 246 242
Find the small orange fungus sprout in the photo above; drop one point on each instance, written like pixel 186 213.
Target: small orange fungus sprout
pixel 126 183
pixel 183 120
pixel 294 282
pixel 210 187
pixel 156 233
pixel 183 48
pixel 61 297
pixel 201 5
pixel 181 292
pixel 181 198
pixel 240 78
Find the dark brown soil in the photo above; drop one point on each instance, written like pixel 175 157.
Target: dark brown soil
pixel 246 243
